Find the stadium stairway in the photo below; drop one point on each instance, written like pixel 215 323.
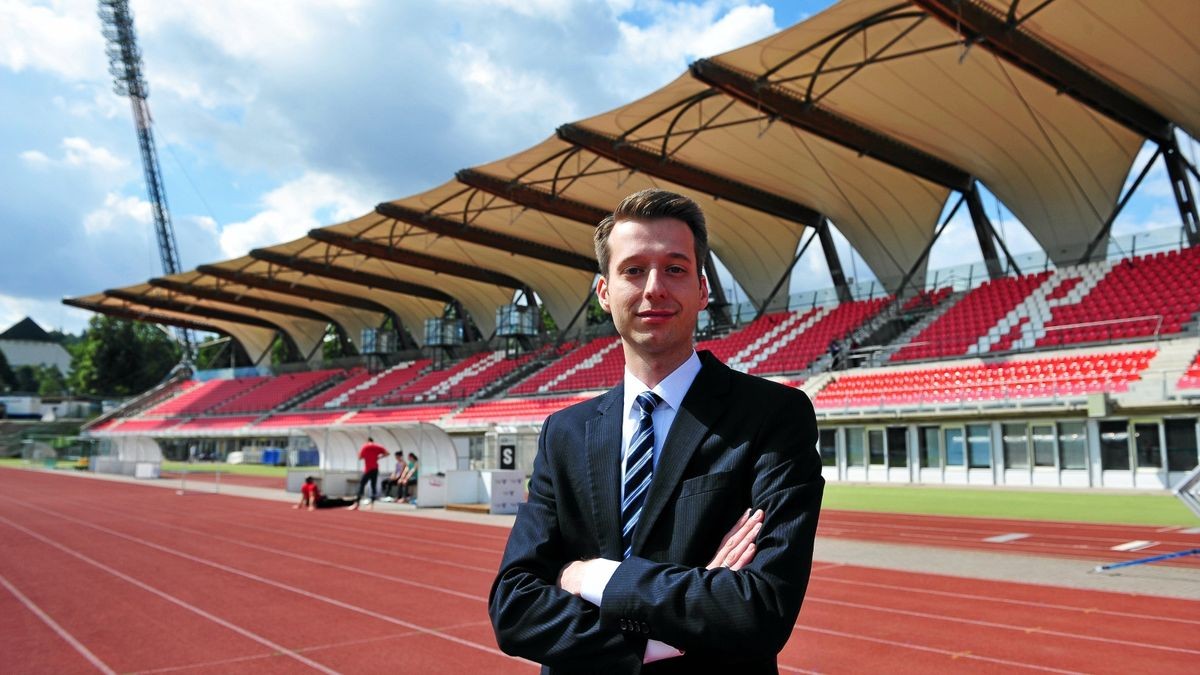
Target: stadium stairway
pixel 587 363
pixel 778 337
pixel 1025 324
pixel 1160 380
pixel 882 356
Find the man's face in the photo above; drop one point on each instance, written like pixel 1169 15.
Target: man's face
pixel 652 288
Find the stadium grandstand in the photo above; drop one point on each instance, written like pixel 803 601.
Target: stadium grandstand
pixel 467 306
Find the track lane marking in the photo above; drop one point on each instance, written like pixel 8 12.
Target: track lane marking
pixel 1030 603
pixel 310 559
pixel 172 599
pixel 269 582
pixel 1004 626
pixel 934 650
pixel 62 632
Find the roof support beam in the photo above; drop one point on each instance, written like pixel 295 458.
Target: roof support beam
pixel 187 308
pixel 245 300
pixel 833 261
pixel 533 198
pixel 366 279
pixel 299 290
pixel 766 304
pixel 984 232
pixel 134 315
pixel 1181 185
pixel 667 168
pixel 778 101
pixel 978 23
pixel 444 227
pixel 411 258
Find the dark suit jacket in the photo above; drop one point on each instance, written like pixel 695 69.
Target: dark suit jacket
pixel 737 442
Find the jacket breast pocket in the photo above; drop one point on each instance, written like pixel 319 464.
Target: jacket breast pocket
pixel 707 483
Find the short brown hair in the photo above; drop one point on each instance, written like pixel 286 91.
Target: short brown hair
pixel 651 204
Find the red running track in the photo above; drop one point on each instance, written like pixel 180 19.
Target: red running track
pixel 1028 537
pixel 113 577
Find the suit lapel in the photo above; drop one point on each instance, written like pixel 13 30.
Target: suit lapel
pixel 603 442
pixel 701 407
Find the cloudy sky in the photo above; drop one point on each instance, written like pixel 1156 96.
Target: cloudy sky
pixel 274 118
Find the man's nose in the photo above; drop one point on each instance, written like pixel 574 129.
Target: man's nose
pixel 654 284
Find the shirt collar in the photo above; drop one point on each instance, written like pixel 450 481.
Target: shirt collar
pixel 673 387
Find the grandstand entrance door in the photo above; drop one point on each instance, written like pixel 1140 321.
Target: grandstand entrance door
pixel 1145 437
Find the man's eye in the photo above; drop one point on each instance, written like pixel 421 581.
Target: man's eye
pixel 632 271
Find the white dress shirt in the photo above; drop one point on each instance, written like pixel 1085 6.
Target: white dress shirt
pixel 671 390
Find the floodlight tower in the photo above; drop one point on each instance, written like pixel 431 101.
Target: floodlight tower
pixel 125 64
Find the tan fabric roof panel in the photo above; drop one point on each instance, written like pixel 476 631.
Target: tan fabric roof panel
pixel 885 213
pixel 1057 164
pixel 1148 48
pixel 756 248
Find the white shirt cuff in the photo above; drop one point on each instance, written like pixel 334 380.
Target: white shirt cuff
pixel 657 651
pixel 595 578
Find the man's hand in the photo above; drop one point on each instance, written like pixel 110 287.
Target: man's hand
pixel 570 579
pixel 737 548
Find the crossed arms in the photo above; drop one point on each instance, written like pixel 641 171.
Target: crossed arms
pixel 743 609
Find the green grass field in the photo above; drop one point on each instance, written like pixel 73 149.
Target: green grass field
pixel 1079 506
pixel 1082 506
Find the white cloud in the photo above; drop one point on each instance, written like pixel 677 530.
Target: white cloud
pixel 77 153
pixel 291 210
pixel 62 38
pixel 651 55
pixel 118 212
pixel 49 314
pixel 507 97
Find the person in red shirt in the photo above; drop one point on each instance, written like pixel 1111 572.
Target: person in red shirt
pixel 311 498
pixel 369 454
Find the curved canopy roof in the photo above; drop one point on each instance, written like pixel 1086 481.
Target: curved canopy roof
pixel 870 114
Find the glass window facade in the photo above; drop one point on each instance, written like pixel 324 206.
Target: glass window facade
pixel 1016 445
pixel 1114 445
pixel 1042 436
pixel 897 446
pixel 1072 443
pixel 979 445
pixel 930 450
pixel 855 447
pixel 875 445
pixel 1181 443
pixel 954 446
pixel 1148 445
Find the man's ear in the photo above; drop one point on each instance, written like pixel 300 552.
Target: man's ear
pixel 602 294
pixel 703 291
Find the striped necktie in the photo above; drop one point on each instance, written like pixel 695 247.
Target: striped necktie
pixel 639 468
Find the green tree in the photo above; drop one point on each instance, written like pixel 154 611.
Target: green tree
pixel 50 381
pixel 25 379
pixel 8 379
pixel 120 357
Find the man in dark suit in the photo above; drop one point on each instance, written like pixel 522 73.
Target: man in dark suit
pixel 670 521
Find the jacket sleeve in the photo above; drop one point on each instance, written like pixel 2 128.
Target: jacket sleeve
pixel 533 617
pixel 753 610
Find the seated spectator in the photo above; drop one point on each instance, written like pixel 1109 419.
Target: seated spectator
pixel 311 498
pixel 408 481
pixel 393 479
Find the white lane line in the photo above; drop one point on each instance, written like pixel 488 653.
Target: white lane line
pixel 62 632
pixel 859 637
pixel 1005 538
pixel 491 571
pixel 1135 545
pixel 172 599
pixel 1011 601
pixel 312 560
pixel 270 582
pixel 1005 626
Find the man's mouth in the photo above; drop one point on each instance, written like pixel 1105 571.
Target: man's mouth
pixel 656 314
